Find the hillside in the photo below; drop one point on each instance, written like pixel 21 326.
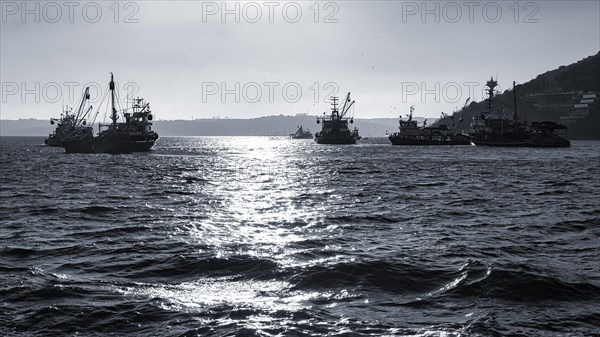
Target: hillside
pixel 569 95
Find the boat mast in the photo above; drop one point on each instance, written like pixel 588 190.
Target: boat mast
pixel 334 110
pixel 491 85
pixel 111 87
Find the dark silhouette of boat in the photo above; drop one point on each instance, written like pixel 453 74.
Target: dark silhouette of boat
pixel 133 135
pixel 334 127
pixel 64 126
pixel 355 134
pixel 489 130
pixel 302 134
pixel 68 122
pixel 410 133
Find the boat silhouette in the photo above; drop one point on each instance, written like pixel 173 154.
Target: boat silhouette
pixel 135 134
pixel 334 127
pixel 490 130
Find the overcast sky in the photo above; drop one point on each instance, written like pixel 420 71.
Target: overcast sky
pixel 193 60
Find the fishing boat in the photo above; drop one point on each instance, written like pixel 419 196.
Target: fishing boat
pixel 301 134
pixel 334 127
pixel 68 122
pixel 491 130
pixel 355 134
pixel 410 133
pixel 134 134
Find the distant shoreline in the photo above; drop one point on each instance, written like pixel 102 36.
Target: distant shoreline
pixel 263 126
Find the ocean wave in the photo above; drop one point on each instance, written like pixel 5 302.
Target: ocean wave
pixel 386 275
pixel 527 286
pixel 321 240
pixel 97 210
pixel 179 268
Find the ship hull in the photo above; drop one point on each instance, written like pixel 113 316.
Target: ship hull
pixel 53 141
pixel 114 148
pixel 339 139
pixel 108 145
pixel 500 142
pixel 77 147
pixel 309 136
pixel 337 142
pixel 396 140
pixel 531 141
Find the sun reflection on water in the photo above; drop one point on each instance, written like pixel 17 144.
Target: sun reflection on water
pixel 206 293
pixel 262 212
pixel 256 201
pixel 260 203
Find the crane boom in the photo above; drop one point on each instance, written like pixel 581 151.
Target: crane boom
pixel 346 110
pixel 86 95
pixel 85 115
pixel 346 100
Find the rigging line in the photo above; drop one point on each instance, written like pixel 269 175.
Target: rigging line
pixel 86 113
pixel 82 105
pixel 118 100
pixel 346 99
pixel 99 106
pixel 348 108
pixel 127 98
pixel 78 102
pixel 95 116
pixel 104 116
pixel 105 110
